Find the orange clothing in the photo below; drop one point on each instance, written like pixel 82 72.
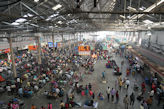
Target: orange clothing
pixel 33 107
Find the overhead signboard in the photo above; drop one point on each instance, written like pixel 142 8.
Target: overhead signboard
pixel 76 49
pixel 50 44
pixel 32 47
pixel 84 48
pixel 5 50
pixel 85 53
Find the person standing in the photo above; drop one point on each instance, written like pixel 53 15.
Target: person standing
pixel 33 106
pixel 145 105
pixel 159 99
pixel 120 84
pixel 93 96
pixel 108 93
pixel 90 86
pixel 127 83
pixel 143 87
pixel 132 99
pixel 103 74
pixel 86 90
pixel 8 88
pixel 62 104
pixel 117 97
pixel 112 94
pixel 141 106
pixel 42 107
pixel 49 106
pixel 126 101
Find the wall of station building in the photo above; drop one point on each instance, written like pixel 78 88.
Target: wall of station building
pixel 157 39
pixel 154 40
pixel 23 42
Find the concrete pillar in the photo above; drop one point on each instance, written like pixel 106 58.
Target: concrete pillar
pixel 63 40
pixel 53 41
pixel 70 41
pixel 139 38
pixel 128 37
pixel 74 40
pixel 133 36
pixel 39 50
pixel 12 57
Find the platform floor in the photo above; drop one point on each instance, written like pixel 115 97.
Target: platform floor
pixel 96 81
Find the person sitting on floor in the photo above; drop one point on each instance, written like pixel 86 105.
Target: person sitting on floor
pixel 100 96
pixel 89 102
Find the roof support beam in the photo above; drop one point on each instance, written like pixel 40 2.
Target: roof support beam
pixel 112 12
pixel 149 9
pixel 31 9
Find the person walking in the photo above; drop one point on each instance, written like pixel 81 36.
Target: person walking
pixel 132 99
pixel 120 84
pixel 141 106
pixel 143 87
pixel 117 97
pixel 62 104
pixel 108 93
pixel 126 101
pixel 90 86
pixel 112 93
pixel 103 74
pixel 145 105
pixel 49 106
pixel 42 107
pixel 86 90
pixel 93 96
pixel 127 82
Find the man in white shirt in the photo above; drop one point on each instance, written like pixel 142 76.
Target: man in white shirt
pixel 8 88
pixel 127 83
pixel 108 93
pixel 57 90
pixel 152 93
pixel 36 88
pixel 18 80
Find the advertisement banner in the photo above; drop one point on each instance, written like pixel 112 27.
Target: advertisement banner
pixel 50 44
pixel 85 53
pixel 84 48
pixel 32 47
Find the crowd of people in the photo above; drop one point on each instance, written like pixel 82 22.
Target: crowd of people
pixel 58 69
pixel 63 69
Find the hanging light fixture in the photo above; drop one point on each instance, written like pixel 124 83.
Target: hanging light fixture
pixel 78 3
pixel 95 3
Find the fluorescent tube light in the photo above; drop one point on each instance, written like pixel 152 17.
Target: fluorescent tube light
pixel 51 16
pixel 122 16
pixel 34 25
pixel 15 23
pixel 142 8
pixel 147 21
pixel 28 15
pixel 36 0
pixel 131 9
pixel 60 22
pixel 21 20
pixel 56 7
